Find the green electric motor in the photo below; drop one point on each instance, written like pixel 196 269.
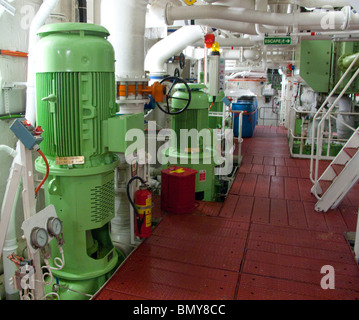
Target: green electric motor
pixel 188 150
pixel 75 88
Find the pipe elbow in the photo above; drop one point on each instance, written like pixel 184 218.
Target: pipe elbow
pixel 11 152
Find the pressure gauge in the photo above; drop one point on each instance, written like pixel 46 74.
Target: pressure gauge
pixel 39 238
pixel 54 226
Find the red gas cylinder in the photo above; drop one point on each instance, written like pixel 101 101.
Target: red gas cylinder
pixel 178 190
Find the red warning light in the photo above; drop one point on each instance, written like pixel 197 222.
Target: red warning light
pixel 27 123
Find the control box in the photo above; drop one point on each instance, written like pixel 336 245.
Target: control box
pixel 26 133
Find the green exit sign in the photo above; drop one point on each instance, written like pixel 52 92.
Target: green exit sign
pixel 278 41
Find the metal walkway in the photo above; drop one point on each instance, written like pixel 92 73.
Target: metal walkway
pixel 265 242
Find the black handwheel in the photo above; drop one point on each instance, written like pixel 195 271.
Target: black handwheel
pixel 182 61
pixel 174 81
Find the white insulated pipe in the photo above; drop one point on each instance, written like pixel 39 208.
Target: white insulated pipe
pixel 170 46
pixel 305 20
pixel 126 22
pixel 38 21
pixel 10 244
pixel 10 151
pixel 233 26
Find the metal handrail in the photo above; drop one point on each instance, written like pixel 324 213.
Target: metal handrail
pixel 320 125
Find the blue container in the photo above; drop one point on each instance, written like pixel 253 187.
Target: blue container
pixel 250 118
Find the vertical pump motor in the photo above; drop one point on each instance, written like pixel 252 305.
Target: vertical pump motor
pixel 75 89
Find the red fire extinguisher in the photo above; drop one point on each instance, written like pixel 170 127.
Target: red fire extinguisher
pixel 142 208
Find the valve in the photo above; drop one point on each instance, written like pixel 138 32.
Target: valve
pixel 173 81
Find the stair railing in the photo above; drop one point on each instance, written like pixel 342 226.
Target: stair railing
pixel 320 129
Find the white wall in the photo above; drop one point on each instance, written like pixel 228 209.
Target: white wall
pixel 14 36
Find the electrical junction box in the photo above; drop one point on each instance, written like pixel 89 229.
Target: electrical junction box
pixel 26 133
pixel 117 129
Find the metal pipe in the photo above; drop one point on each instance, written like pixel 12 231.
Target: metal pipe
pixel 170 46
pixel 38 21
pixel 305 19
pixel 82 6
pixel 345 62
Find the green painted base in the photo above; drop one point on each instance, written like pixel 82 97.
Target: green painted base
pixel 81 289
pixel 205 166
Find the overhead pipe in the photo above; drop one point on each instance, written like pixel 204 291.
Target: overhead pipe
pixel 82 7
pixel 305 20
pixel 233 26
pixel 323 3
pixel 170 46
pixel 126 22
pixel 38 21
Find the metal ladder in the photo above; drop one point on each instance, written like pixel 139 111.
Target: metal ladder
pixel 340 176
pixel 343 172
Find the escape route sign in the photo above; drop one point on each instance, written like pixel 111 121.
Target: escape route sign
pixel 278 41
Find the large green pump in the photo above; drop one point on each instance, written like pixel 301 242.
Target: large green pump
pixel 198 154
pixel 75 100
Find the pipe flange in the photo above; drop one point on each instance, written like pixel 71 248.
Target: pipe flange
pixel 347 16
pixel 168 6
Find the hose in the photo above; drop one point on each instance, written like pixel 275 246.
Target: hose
pixel 47 172
pixel 138 219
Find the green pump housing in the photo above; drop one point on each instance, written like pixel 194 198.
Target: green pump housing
pixel 197 154
pixel 322 63
pixel 76 108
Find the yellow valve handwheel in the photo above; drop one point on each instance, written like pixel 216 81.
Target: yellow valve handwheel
pixel 190 2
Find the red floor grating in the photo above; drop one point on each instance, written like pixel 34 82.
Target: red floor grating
pixel 265 242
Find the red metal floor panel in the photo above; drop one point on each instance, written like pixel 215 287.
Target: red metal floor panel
pixel 278 212
pixel 261 210
pixel 265 242
pixel 277 188
pixel 350 216
pixel 243 209
pixel 265 288
pixel 296 214
pixel 262 187
pixel 291 188
pixel 311 263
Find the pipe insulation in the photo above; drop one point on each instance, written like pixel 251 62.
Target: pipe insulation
pixel 339 19
pixel 10 151
pixel 126 22
pixel 38 21
pixel 170 46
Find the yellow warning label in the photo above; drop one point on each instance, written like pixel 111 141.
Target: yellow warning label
pixel 148 202
pixel 190 2
pixel 148 219
pixel 180 170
